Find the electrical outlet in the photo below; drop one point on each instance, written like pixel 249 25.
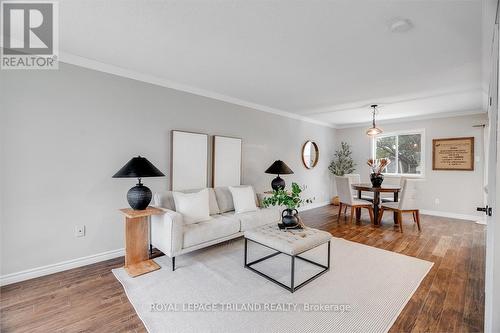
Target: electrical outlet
pixel 80 231
pixel 436 201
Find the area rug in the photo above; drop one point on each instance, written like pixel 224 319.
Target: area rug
pixel 210 291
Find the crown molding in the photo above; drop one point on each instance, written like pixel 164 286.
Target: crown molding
pixel 76 60
pixel 416 118
pixel 72 59
pixel 386 101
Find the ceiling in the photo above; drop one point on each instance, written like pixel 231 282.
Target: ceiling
pixel 325 61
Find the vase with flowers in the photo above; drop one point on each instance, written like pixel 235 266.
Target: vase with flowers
pixel 376 168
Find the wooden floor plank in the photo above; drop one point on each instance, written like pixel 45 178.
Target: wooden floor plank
pixel 449 299
pixel 454 303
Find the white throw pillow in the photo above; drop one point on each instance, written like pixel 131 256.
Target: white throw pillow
pixel 243 198
pixel 194 207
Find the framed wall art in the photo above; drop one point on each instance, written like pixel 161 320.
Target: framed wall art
pixel 453 154
pixel 226 168
pixel 189 161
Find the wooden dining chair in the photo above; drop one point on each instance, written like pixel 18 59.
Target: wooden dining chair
pixel 346 199
pixel 407 204
pixel 401 184
pixel 356 179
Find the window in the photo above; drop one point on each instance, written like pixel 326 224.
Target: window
pixel 404 149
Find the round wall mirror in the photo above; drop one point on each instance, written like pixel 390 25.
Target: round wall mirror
pixel 310 154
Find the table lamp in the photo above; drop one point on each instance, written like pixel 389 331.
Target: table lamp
pixel 278 168
pixel 139 196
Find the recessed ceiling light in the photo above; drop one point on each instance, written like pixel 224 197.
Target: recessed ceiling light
pixel 400 25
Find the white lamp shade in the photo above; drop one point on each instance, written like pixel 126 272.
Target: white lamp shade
pixel 373 131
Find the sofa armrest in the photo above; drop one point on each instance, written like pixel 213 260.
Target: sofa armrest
pixel 167 232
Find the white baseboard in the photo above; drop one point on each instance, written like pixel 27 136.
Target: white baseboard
pixel 313 205
pixel 472 218
pixel 59 267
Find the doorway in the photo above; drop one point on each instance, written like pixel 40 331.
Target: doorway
pixel 492 278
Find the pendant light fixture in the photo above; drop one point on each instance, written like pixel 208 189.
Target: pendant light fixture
pixel 374 130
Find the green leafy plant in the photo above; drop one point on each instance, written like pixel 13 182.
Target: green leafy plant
pixel 290 199
pixel 342 162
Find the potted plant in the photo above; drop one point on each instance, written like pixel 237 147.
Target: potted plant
pixel 377 167
pixel 342 164
pixel 292 201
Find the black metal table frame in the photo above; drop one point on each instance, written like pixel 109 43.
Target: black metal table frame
pixel 292 288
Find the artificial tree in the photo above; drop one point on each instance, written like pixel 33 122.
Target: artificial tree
pixel 342 164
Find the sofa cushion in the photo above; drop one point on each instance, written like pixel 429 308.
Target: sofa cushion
pixel 262 216
pixel 166 200
pixel 193 206
pixel 212 202
pixel 224 199
pixel 243 198
pixel 217 227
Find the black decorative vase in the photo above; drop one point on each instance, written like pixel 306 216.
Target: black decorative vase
pixel 139 197
pixel 289 218
pixel 376 179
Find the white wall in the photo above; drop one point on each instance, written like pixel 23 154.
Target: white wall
pixel 459 192
pixel 65 133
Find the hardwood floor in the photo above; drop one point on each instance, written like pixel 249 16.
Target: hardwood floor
pixel 450 299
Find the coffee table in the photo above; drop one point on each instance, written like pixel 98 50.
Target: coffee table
pixel 291 243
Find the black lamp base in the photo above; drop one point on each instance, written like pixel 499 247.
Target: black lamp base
pixel 139 197
pixel 278 183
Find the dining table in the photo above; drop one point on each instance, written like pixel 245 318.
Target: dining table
pixel 366 187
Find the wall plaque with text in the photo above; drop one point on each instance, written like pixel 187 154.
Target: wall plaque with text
pixel 453 154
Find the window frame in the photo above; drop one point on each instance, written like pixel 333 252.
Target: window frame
pixel 420 131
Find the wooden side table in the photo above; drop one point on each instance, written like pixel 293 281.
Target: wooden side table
pixel 137 260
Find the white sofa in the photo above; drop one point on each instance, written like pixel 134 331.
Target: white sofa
pixel 170 235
